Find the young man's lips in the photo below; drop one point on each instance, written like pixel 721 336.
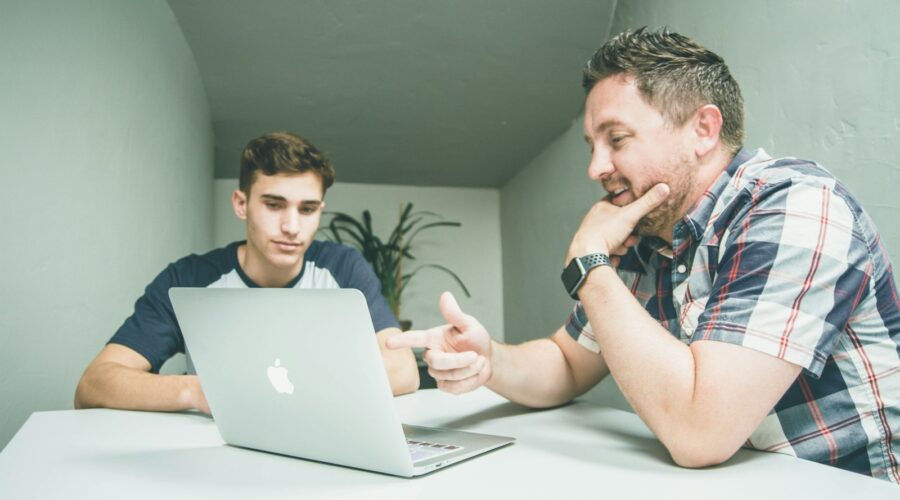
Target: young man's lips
pixel 287 245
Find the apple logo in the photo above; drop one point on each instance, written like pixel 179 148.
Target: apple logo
pixel 278 377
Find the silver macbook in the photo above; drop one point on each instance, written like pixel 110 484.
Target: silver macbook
pixel 299 372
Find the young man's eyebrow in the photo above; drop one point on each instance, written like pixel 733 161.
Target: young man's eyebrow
pixel 276 197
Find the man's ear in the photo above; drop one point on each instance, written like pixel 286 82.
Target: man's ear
pixel 707 127
pixel 239 204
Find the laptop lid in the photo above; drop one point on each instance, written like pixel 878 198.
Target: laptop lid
pixel 296 372
pixel 299 372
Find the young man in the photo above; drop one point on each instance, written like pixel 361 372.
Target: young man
pixel 737 299
pixel 282 185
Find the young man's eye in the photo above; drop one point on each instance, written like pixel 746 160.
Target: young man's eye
pixel 272 206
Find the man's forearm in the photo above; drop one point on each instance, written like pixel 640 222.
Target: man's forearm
pixel 655 371
pixel 111 385
pixel 533 374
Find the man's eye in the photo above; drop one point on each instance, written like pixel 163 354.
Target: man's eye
pixel 307 210
pixel 616 139
pixel 272 206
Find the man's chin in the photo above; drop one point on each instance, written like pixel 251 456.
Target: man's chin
pixel 285 261
pixel 649 226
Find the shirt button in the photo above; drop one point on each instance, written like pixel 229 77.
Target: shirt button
pixel 682 268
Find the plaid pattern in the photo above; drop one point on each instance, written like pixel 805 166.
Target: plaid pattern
pixel 779 257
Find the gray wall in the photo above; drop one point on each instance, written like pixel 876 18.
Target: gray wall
pixel 820 81
pixel 106 161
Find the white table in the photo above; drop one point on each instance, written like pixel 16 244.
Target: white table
pixel 577 451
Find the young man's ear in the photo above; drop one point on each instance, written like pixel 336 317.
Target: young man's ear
pixel 239 204
pixel 707 127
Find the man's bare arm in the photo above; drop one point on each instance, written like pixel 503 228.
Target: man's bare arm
pixel 545 372
pixel 120 378
pixel 462 357
pixel 702 401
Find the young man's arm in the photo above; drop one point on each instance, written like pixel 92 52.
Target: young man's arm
pixel 402 371
pixel 119 377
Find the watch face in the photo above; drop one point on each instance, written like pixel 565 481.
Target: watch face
pixel 571 276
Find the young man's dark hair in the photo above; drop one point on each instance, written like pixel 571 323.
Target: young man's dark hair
pixel 675 74
pixel 283 153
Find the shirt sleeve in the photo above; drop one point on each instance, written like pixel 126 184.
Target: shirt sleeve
pixel 790 271
pixel 152 330
pixel 579 328
pixel 362 278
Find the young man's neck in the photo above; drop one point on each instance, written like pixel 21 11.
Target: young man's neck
pixel 266 276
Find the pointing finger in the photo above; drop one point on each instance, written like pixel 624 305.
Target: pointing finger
pixel 430 338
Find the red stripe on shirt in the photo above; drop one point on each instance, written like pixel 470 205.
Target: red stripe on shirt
pixel 816 414
pixel 807 283
pixel 735 265
pixel 872 379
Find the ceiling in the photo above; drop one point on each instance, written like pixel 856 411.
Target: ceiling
pixel 427 92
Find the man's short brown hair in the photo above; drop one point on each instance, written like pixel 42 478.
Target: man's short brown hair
pixel 283 152
pixel 675 75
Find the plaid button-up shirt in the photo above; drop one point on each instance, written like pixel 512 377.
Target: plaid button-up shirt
pixel 779 257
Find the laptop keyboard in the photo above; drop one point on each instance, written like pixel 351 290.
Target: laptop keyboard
pixel 420 450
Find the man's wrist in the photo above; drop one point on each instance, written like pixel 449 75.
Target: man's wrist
pixel 596 278
pixel 578 269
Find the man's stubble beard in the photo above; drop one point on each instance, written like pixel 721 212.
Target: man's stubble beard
pixel 681 183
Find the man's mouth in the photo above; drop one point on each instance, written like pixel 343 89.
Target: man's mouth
pixel 617 196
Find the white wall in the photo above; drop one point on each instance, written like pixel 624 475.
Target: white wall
pixel 820 81
pixel 472 251
pixel 106 161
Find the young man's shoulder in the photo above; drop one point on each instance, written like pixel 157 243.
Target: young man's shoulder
pixel 324 253
pixel 345 263
pixel 200 270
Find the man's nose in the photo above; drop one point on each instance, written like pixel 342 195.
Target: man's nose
pixel 290 223
pixel 600 166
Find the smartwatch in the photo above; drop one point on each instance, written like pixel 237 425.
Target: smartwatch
pixel 577 270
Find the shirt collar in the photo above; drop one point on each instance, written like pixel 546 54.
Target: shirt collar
pixel 698 216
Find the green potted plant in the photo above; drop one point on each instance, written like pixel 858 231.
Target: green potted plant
pixel 387 256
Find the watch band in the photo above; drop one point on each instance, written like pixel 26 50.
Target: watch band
pixel 593 260
pixel 574 274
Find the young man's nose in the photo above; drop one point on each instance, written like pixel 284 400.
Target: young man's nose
pixel 290 223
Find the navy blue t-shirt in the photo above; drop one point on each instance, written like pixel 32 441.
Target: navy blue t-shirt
pixel 153 331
